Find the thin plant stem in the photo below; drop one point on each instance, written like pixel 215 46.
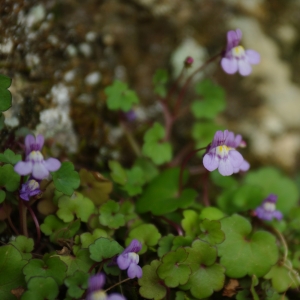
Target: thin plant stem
pixel 12 225
pixel 36 223
pixel 189 79
pixel 174 225
pixel 205 189
pixel 23 217
pixel 134 145
pixel 169 120
pixel 187 158
pixel 127 279
pixel 283 242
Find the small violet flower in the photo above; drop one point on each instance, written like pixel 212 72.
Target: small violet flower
pixel 95 292
pixel 34 163
pixel 222 155
pixel 129 260
pixel 30 189
pixel 267 210
pixel 236 58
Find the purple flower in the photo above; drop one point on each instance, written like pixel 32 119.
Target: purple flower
pixel 34 163
pixel 222 155
pixel 95 292
pixel 129 260
pixel 267 210
pixel 236 58
pixel 30 189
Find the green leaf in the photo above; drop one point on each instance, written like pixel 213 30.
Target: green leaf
pixel 9 157
pixel 88 238
pixel 160 152
pixel 9 178
pixel 66 179
pixel 120 97
pixel 271 181
pixel 147 234
pixel 50 266
pixel 159 81
pixel 211 213
pixel 2 196
pixel 283 277
pixel 81 261
pixel 25 245
pixel 213 100
pixel 161 195
pixel 151 287
pixel 148 167
pixel 5 95
pixel 11 276
pixel 77 284
pixel 104 248
pixel 165 244
pixel 181 241
pixel 41 288
pixel 110 216
pixel 95 186
pixel 135 181
pixel 77 205
pixel 207 275
pixel 118 174
pixel 211 232
pixel 223 181
pixel 190 223
pixel 242 254
pixel 173 269
pixel 2 119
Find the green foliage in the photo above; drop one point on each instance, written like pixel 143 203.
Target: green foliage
pixel 110 216
pixel 151 287
pixel 159 81
pixel 104 248
pixel 77 205
pixel 9 157
pixel 11 265
pixel 161 195
pixel 24 245
pixel 271 181
pixel 211 232
pixel 173 270
pixel 212 102
pixel 207 275
pixel 41 288
pixel 49 266
pixel 190 223
pixel 154 147
pixel 119 97
pixel 242 254
pixel 77 284
pixel 5 95
pixel 66 179
pixel 147 234
pixel 9 179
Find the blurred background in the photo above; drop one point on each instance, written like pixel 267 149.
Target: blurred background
pixel 62 54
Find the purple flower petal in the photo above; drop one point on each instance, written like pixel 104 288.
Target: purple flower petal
pixel 52 164
pixel 29 140
pixel 39 142
pixel 253 57
pixel 244 67
pixel 236 159
pixel 115 297
pixel 39 171
pixel 123 261
pixel 134 246
pixel 233 38
pixel 225 167
pixel 244 166
pixel 134 270
pixel 229 65
pixel 210 161
pixel 23 167
pixel 96 282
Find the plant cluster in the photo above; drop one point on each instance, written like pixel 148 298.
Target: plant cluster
pixel 154 230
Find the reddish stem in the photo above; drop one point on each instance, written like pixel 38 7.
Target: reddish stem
pixel 173 224
pixel 36 223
